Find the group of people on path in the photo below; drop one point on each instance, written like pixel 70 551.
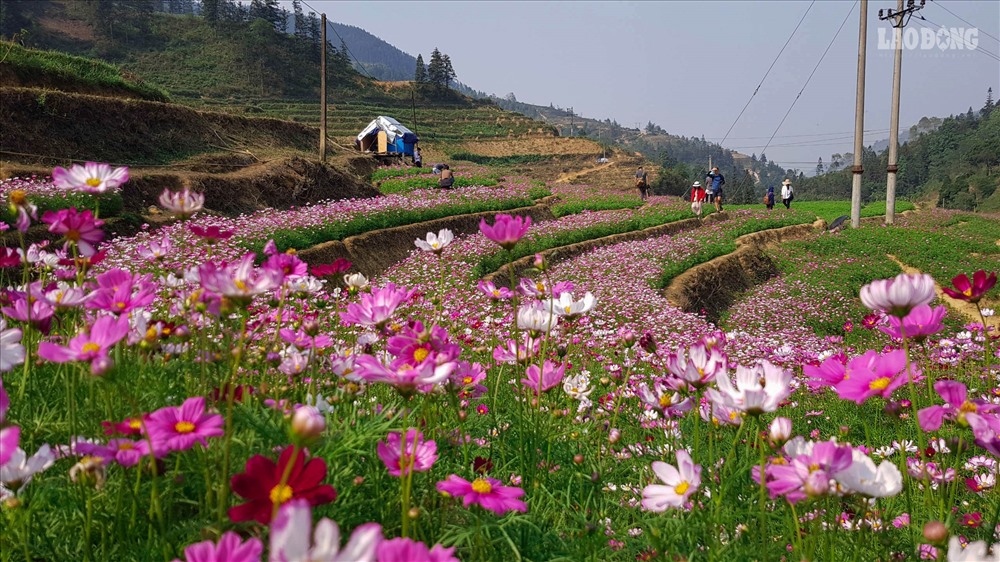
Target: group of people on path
pixel 787 194
pixel 711 191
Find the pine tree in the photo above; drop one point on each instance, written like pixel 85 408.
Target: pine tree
pixel 345 53
pixel 436 70
pixel 314 33
pixel 449 71
pixel 420 75
pixel 301 31
pixel 990 105
pixel 763 158
pixel 819 166
pixel 210 10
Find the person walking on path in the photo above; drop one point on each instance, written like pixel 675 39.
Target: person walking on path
pixel 787 194
pixel 641 183
pixel 715 188
pixel 697 198
pixel 769 198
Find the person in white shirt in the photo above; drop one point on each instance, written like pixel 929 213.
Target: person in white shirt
pixel 787 194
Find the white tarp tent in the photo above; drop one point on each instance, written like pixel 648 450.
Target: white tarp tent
pixel 391 127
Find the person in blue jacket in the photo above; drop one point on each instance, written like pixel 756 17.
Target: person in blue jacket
pixel 715 187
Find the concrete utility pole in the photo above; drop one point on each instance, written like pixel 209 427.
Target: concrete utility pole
pixel 900 18
pixel 859 120
pixel 322 88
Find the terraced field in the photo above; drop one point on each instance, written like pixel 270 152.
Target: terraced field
pixel 222 381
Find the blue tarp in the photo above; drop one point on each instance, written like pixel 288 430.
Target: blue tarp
pixel 401 139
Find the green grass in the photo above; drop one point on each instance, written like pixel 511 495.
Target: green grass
pixel 406 185
pixel 499 160
pixel 597 203
pixel 32 66
pixel 830 210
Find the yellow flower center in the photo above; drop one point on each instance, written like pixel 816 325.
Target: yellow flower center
pixel 466 380
pixel 18 197
pixel 125 446
pixel 91 347
pixel 135 424
pixel 280 494
pixel 121 305
pixel 481 486
pixel 73 235
pixel 664 401
pixel 968 407
pixel 879 383
pixel 496 293
pixel 813 467
pixel 540 287
pixel 93 182
pixel 184 427
pixel 240 285
pixel 681 488
pixel 568 310
pixel 420 354
pixel 434 245
pixel 967 292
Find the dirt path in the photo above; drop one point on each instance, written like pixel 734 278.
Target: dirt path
pixel 570 176
pixel 966 309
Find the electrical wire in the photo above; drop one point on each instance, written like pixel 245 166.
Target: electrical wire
pixel 940 5
pixel 815 68
pixel 957 38
pixel 757 89
pixel 361 67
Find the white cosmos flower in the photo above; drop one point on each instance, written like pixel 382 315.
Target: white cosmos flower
pixel 758 389
pixel 975 552
pixel 20 468
pixel 536 318
pixel 566 307
pixel 577 386
pixel 864 478
pixel 435 242
pixel 356 281
pixel 678 483
pixel 11 350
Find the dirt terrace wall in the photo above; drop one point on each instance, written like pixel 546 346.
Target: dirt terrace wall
pixel 374 252
pixel 502 276
pixel 713 287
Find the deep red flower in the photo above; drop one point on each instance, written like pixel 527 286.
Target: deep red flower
pixel 211 233
pixel 261 485
pixel 974 290
pixel 339 265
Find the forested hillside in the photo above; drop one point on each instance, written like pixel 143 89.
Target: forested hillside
pixel 959 162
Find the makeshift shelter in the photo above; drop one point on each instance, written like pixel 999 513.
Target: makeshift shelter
pixel 386 136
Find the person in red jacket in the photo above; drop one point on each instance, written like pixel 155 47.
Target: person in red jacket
pixel 697 198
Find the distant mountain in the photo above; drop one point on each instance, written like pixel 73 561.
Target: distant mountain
pixel 371 54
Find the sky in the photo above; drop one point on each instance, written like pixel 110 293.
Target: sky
pixel 690 67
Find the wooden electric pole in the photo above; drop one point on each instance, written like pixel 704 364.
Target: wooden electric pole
pixel 899 20
pixel 859 121
pixel 322 88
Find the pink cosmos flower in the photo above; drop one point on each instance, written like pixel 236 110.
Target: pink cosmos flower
pixel 494 292
pixel 239 280
pixel 515 352
pixel 678 483
pixel 899 295
pixel 91 345
pixel 211 234
pixel 544 379
pixel 408 550
pixel 230 548
pixel 971 291
pixel 506 230
pixel 11 350
pixel 39 313
pixel 487 492
pixel 406 378
pixel 699 366
pixel 664 399
pixel 10 257
pixel 294 540
pixel 155 250
pixel 79 228
pixel 177 428
pixel 921 322
pixel 339 265
pixel 119 292
pixel 89 178
pixel 125 452
pixel 416 454
pixel 9 436
pixel 467 379
pixel 25 210
pixel 830 372
pixel 986 430
pixel 807 474
pixel 874 375
pixel 376 307
pixel 183 204
pixel 957 406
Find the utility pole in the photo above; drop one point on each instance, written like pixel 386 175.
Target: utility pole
pixel 322 88
pixel 899 18
pixel 859 120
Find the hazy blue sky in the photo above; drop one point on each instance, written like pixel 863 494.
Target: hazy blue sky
pixel 691 66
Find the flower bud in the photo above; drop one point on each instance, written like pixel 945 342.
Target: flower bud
pixel 308 423
pixel 101 365
pixel 578 458
pixel 614 435
pixel 413 513
pixel 359 480
pixel 89 471
pixel 539 262
pixel 935 532
pixel 781 431
pixel 648 343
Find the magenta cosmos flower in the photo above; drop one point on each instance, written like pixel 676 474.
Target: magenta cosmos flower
pixel 506 230
pixel 177 428
pixel 416 454
pixel 80 228
pixel 90 345
pixel 408 550
pixel 211 234
pixel 544 379
pixel 921 322
pixel 957 406
pixel 239 280
pixel 874 375
pixel 9 436
pixel 809 474
pixel 89 178
pixel 899 295
pixel 973 290
pixel 230 548
pixel 678 483
pixel 487 492
pixel 376 307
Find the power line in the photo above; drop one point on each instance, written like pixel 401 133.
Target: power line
pixel 939 5
pixel 811 75
pixel 957 38
pixel 809 135
pixel 768 72
pixel 342 42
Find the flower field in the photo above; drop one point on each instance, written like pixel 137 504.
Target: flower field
pixel 197 392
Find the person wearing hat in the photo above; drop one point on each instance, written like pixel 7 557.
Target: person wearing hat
pixel 787 194
pixel 715 188
pixel 697 198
